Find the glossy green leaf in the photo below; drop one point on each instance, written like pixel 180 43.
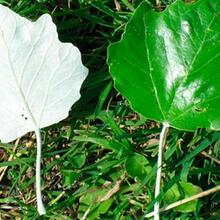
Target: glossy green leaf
pixel 167 64
pixel 179 191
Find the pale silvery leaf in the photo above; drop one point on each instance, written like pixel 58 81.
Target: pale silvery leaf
pixel 40 79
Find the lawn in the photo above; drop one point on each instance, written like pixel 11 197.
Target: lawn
pixel 100 162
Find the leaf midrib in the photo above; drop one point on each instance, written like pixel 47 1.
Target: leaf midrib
pixel 30 115
pixel 150 69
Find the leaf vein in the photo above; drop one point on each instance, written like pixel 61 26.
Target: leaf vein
pixel 150 69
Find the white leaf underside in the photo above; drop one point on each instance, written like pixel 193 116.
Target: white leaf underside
pixel 40 77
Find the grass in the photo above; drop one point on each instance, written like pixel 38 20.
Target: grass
pixel 89 169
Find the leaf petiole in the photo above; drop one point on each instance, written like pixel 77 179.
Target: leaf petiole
pixel 40 205
pixel 162 142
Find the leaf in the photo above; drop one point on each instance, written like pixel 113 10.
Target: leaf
pixel 40 76
pixel 40 79
pixel 138 166
pixel 179 191
pixel 167 64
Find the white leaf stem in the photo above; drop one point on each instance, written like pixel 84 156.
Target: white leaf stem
pixel 162 142
pixel 40 205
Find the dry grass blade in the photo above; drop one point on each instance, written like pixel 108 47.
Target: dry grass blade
pixel 114 190
pixel 205 154
pixel 189 199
